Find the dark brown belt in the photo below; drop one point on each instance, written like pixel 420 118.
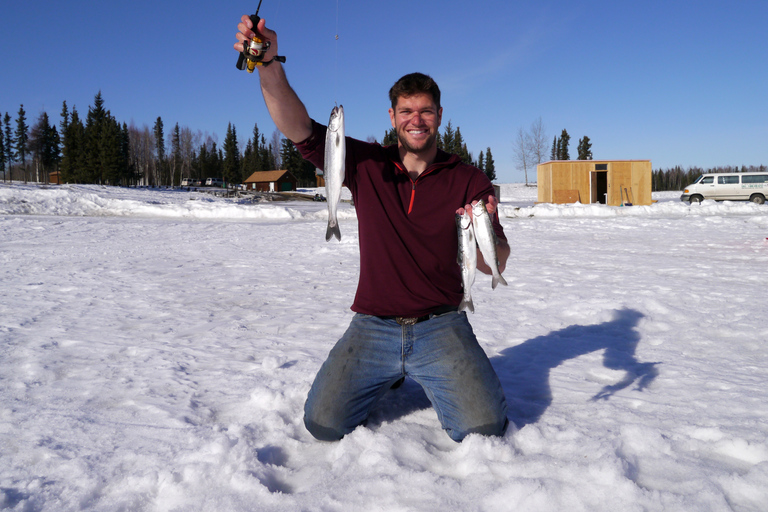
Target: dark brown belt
pixel 413 320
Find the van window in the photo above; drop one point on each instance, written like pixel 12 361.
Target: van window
pixel 728 180
pixel 708 179
pixel 760 178
pixel 697 179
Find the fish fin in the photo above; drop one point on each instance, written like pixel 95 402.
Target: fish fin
pixel 333 231
pixel 467 305
pixel 496 280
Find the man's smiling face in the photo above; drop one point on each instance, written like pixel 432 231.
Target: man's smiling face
pixel 416 120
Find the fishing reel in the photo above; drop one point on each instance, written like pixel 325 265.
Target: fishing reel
pixel 255 49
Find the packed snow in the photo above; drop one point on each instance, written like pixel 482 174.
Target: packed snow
pixel 157 346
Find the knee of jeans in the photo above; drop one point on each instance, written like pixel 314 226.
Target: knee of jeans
pixel 322 433
pixel 491 429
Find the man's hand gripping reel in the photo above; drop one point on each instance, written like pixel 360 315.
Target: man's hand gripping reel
pixel 255 49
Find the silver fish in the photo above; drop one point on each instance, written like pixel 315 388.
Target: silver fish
pixel 467 258
pixel 334 169
pixel 486 241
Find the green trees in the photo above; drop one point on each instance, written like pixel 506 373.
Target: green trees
pixel 560 148
pixel 21 138
pixel 44 147
pixel 73 150
pixel 303 171
pixel 232 167
pixel 490 166
pixel 258 155
pixel 584 149
pixel 2 150
pixel 10 154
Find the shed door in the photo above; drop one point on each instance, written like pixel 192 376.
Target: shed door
pixel 598 186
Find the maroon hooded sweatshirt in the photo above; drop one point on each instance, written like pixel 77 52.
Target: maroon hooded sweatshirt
pixel 408 237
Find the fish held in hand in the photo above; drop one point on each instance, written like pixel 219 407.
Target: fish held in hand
pixel 334 168
pixel 486 241
pixel 467 258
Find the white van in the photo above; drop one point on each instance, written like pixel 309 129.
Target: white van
pixel 214 182
pixel 742 186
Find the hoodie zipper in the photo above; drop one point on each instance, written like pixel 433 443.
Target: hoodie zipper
pixel 413 183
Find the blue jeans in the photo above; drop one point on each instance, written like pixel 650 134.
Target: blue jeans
pixel 441 354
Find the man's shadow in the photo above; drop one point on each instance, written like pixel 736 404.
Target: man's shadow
pixel 524 370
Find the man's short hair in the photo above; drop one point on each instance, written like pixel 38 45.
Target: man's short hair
pixel 414 83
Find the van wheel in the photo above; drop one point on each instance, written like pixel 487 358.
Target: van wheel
pixel 757 199
pixel 696 199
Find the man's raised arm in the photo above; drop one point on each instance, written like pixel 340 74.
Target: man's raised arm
pixel 285 107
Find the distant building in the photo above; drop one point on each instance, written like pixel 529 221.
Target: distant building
pixel 609 182
pixel 271 181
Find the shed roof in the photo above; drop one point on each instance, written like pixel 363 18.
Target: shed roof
pixel 266 176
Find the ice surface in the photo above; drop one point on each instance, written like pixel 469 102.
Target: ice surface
pixel 156 348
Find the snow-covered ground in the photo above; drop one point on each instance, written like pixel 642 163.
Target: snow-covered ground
pixel 156 348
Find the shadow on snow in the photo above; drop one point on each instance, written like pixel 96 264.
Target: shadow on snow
pixel 524 370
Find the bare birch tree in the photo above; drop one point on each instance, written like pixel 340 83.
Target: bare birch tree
pixel 522 149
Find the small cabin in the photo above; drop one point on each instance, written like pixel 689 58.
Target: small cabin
pixel 271 181
pixel 609 182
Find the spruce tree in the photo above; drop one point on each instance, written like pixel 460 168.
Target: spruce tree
pixel 127 171
pixel 109 151
pixel 293 162
pixel 247 162
pixel 585 149
pixel 73 150
pixel 490 166
pixel 266 157
pixel 160 148
pixel 176 156
pixel 390 137
pixel 563 149
pixel 447 138
pixel 232 172
pixel 64 118
pixel 2 153
pixel 9 142
pixel 22 137
pixel 94 150
pixel 554 152
pixel 481 162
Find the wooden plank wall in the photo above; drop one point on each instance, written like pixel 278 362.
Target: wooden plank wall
pixel 544 182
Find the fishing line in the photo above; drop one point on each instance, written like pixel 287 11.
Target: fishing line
pixel 336 59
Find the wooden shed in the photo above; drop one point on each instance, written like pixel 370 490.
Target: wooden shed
pixel 610 182
pixel 271 181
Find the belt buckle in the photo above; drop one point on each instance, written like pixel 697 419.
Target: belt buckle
pixel 405 320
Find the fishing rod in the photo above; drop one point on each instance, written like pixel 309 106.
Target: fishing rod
pixel 254 51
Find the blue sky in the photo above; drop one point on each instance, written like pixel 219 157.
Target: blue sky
pixel 676 82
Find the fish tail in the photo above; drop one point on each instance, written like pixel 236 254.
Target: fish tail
pixel 333 230
pixel 467 305
pixel 496 280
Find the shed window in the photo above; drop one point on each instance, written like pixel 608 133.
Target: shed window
pixel 601 167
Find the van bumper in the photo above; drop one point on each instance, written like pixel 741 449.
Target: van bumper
pixel 685 197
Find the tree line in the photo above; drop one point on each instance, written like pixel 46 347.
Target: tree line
pixel 100 149
pixel 677 178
